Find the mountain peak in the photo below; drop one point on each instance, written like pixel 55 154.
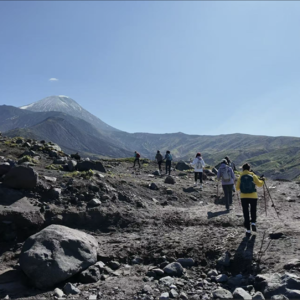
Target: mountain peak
pixel 67 105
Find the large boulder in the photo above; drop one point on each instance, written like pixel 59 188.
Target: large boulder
pixel 4 168
pixel 57 253
pixel 170 180
pixel 90 165
pixel 174 269
pixel 21 178
pixel 182 166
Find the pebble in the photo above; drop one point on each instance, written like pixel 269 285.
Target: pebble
pixel 164 296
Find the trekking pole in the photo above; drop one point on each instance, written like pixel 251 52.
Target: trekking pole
pixel 271 199
pixel 264 188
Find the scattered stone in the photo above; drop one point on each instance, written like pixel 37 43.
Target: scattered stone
pixel 58 293
pixel 72 165
pixel 70 289
pixel 90 275
pixel 21 178
pixel 56 253
pixel 173 293
pixel 164 296
pixel 182 166
pixel 174 269
pixel 222 294
pixel 4 168
pixel 222 278
pixel 94 202
pixel 147 289
pixel 50 179
pixel 212 273
pixel 156 173
pixel 258 296
pixel 279 297
pixel 240 293
pixel 91 165
pixel 153 186
pixel 169 191
pixel 167 281
pixel 115 265
pixel 183 296
pixel 292 264
pixel 170 180
pixel 158 272
pixel 186 262
pixel 224 260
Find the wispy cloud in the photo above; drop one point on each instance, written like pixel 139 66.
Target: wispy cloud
pixel 53 79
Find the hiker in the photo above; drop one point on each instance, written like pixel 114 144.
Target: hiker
pixel 230 163
pixel 226 173
pixel 136 158
pixel 168 158
pixel 247 183
pixel 159 159
pixel 198 164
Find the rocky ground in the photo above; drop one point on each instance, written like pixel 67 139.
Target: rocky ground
pixel 156 240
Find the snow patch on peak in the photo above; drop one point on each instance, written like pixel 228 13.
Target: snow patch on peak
pixel 63 96
pixel 26 106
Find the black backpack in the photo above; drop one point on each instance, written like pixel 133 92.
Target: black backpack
pixel 247 185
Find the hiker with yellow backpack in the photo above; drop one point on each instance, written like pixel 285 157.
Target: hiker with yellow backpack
pixel 247 184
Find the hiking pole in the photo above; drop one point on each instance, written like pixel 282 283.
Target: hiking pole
pixel 264 188
pixel 271 198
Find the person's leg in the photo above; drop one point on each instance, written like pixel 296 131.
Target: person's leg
pixel 159 165
pixel 170 167
pixel 139 162
pixel 253 203
pixel 166 167
pixel 245 205
pixel 226 195
pixel 134 162
pixel 196 177
pixel 200 177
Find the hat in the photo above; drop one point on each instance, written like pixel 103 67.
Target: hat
pixel 224 161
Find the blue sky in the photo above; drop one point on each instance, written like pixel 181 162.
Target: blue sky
pixel 199 67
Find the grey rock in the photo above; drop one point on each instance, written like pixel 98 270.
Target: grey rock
pixel 292 294
pixel 60 161
pixel 224 260
pixel 4 168
pixel 212 273
pixel 94 202
pixel 174 269
pixel 294 263
pixel 54 193
pixel 258 296
pixel 235 281
pixel 90 275
pixel 240 293
pixel 156 173
pixel 58 293
pixel 167 281
pixel 169 191
pixel 195 297
pixel 72 165
pixel 57 253
pixel 186 262
pixel 21 178
pixel 164 296
pixel 50 179
pixel 279 297
pixel 158 272
pixel 153 186
pixel 70 289
pixel 182 166
pixel 147 289
pixel 170 180
pixel 91 165
pixel 221 294
pixel 115 265
pixel 222 278
pixel 183 296
pixel 173 293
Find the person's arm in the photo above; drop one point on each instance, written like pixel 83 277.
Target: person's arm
pixel 203 163
pixel 257 181
pixel 232 175
pixel 192 163
pixel 219 174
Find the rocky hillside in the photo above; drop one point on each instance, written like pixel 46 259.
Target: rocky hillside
pixel 277 157
pixel 87 229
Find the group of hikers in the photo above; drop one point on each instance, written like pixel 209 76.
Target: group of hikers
pixel 246 183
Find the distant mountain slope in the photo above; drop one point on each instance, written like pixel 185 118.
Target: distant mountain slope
pixel 71 133
pixel 69 106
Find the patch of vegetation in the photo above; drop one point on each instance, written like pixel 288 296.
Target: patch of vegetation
pixel 72 174
pixel 27 158
pixel 84 174
pixel 54 167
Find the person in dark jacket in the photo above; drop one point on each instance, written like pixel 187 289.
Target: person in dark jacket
pixel 226 173
pixel 159 159
pixel 136 159
pixel 168 158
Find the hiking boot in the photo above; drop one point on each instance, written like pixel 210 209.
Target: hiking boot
pixel 253 227
pixel 195 183
pixel 201 187
pixel 248 233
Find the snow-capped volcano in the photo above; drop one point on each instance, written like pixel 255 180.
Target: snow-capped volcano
pixel 67 105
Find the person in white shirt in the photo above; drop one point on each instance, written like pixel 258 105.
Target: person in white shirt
pixel 198 164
